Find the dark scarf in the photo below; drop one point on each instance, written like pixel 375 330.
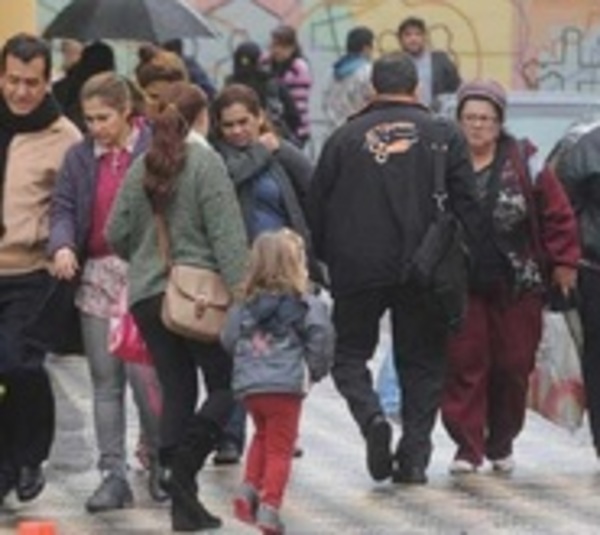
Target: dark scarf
pixel 11 125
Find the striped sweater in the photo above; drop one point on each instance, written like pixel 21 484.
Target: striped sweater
pixel 296 76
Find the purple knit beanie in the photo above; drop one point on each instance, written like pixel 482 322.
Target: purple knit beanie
pixel 489 90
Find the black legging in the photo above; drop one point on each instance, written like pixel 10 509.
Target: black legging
pixel 176 359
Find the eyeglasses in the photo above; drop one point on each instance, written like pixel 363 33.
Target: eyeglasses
pixel 484 120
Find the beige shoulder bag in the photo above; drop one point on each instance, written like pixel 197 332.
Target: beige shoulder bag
pixel 196 299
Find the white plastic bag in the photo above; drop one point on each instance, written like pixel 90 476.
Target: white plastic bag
pixel 556 387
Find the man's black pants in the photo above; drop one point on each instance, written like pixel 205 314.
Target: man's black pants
pixel 27 402
pixel 419 347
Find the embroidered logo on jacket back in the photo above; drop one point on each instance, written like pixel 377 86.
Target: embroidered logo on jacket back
pixel 390 138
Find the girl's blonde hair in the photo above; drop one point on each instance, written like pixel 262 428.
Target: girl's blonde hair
pixel 277 265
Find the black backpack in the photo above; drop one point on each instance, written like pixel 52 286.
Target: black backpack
pixel 281 110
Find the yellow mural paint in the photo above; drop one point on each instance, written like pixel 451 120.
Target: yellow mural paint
pixel 17 16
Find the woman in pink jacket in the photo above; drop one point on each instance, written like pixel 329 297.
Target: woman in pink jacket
pixel 292 69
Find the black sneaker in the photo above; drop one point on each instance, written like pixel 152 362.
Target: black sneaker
pixel 30 483
pixel 8 481
pixel 379 458
pixel 409 475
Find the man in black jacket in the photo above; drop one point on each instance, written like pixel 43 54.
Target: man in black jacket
pixel 579 171
pixel 370 205
pixel 437 72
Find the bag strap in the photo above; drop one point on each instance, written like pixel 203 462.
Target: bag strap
pixel 164 243
pixel 439 146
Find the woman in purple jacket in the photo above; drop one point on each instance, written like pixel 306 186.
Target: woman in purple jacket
pixel 89 180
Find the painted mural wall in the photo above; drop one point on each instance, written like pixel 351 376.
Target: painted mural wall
pixel 16 15
pixel 551 44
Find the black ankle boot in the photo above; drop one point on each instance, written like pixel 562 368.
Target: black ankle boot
pixel 8 480
pixel 158 481
pixel 190 515
pixel 204 433
pixel 187 511
pixel 30 483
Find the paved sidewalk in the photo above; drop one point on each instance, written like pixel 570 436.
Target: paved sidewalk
pixel 554 491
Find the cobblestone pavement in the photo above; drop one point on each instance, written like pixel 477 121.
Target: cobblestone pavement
pixel 555 489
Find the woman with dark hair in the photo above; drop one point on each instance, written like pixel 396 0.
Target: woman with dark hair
pixel 257 158
pixel 91 174
pixel 271 178
pixel 185 184
pixel 291 68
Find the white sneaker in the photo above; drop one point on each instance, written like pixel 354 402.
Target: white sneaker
pixel 461 466
pixel 504 466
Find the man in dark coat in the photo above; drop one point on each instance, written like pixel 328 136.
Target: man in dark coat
pixel 370 205
pixel 578 168
pixel 437 72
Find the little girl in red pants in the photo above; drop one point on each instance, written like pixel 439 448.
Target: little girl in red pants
pixel 281 340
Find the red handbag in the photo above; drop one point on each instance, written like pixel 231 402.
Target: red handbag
pixel 124 339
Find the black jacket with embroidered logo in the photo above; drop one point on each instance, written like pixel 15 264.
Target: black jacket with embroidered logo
pixel 370 200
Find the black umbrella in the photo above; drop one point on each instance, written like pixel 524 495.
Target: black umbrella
pixel 156 21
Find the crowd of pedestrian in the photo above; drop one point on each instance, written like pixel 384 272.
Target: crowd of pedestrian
pixel 116 190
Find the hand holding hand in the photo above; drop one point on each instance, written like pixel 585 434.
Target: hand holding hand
pixel 65 264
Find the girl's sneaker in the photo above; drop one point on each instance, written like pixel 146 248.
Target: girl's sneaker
pixel 268 521
pixel 245 504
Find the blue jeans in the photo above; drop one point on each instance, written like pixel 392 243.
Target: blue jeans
pixel 235 430
pixel 387 385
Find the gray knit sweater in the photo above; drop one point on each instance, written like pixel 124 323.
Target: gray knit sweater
pixel 204 220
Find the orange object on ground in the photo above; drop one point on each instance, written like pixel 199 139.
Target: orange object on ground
pixel 37 528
